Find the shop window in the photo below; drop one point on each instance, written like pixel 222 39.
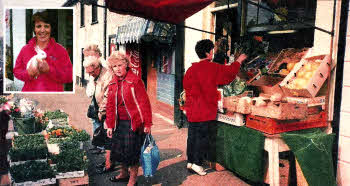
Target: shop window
pixel 223 3
pixel 294 11
pixel 165 60
pixel 94 15
pixel 227 20
pixel 293 30
pixel 82 15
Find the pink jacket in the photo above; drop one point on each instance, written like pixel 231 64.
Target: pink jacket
pixel 135 99
pixel 61 69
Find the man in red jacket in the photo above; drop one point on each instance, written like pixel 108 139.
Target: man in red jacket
pixel 200 84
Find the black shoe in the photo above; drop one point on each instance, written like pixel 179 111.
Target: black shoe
pixel 104 170
pixel 93 148
pixel 103 164
pixel 113 179
pixel 99 151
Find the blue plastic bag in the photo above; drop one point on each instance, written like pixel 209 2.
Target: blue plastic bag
pixel 149 156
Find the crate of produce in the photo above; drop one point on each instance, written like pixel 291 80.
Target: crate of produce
pixel 307 77
pixel 28 147
pixel 236 104
pixel 285 61
pixel 32 173
pixel 274 126
pixel 278 110
pixel 27 125
pixel 57 117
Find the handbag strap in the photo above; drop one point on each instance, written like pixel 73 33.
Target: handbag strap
pixel 149 139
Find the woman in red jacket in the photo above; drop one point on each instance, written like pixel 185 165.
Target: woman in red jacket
pixel 128 117
pixel 200 83
pixel 47 74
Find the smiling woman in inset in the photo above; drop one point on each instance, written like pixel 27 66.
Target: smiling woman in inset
pixel 43 64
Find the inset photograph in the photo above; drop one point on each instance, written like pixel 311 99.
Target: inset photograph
pixel 38 54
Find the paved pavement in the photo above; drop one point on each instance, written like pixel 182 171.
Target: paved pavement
pixel 170 140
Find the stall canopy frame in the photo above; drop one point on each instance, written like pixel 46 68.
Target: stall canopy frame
pixel 93 2
pixel 152 15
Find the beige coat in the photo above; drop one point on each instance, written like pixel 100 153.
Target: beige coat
pixel 100 87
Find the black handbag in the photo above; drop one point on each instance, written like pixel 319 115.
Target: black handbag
pixel 100 136
pixel 93 109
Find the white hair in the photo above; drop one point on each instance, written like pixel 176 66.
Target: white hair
pixel 91 61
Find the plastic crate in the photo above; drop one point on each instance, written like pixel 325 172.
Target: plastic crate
pixel 274 126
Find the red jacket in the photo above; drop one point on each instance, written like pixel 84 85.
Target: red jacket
pixel 200 84
pixel 61 69
pixel 135 99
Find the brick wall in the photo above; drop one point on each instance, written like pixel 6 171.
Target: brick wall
pixel 344 130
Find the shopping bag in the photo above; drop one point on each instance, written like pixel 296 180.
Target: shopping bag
pixel 100 136
pixel 149 156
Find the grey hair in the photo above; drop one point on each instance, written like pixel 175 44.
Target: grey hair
pixel 92 47
pixel 116 55
pixel 91 61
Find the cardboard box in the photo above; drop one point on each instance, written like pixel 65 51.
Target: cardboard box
pixel 235 119
pixel 280 110
pixel 316 81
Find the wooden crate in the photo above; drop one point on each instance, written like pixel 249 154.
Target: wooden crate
pixel 266 84
pixel 288 55
pixel 274 126
pixel 74 181
pixel 280 110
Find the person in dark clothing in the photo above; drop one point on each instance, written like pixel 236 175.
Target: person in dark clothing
pixel 220 51
pixel 4 123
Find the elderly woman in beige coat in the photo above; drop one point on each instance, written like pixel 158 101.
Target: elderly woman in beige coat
pixel 96 88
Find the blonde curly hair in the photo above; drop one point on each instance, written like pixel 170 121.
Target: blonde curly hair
pixel 117 56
